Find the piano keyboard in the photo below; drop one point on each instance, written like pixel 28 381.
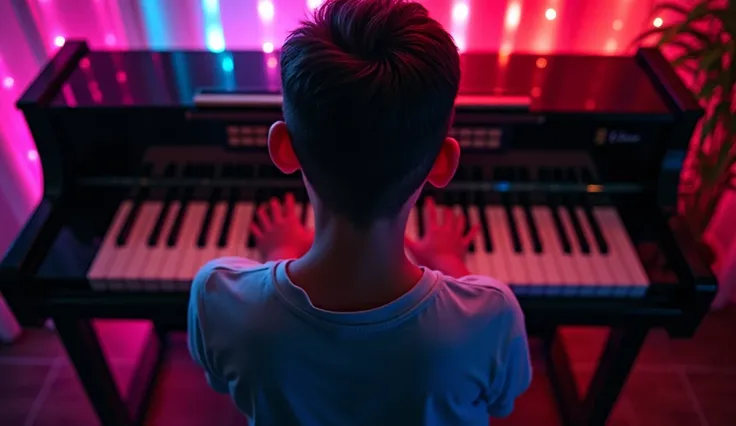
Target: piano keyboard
pixel 536 250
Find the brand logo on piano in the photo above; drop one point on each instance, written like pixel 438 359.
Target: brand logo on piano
pixel 603 136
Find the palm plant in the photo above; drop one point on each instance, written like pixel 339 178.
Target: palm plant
pixel 705 39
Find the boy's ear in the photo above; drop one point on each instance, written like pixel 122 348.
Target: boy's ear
pixel 446 164
pixel 280 148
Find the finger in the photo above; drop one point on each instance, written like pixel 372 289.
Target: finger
pixel 256 231
pixel 430 213
pixel 460 222
pixel 470 236
pixel 289 205
pixel 449 219
pixel 276 210
pixel 263 218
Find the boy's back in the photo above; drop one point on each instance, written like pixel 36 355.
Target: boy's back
pixel 351 331
pixel 448 352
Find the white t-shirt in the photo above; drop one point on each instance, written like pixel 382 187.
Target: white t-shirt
pixel 448 352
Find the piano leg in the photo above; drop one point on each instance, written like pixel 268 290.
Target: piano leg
pixel 619 354
pixel 113 409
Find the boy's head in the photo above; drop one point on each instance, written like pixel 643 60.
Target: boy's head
pixel 369 88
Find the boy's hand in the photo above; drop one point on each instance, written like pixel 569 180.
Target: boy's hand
pixel 445 242
pixel 279 232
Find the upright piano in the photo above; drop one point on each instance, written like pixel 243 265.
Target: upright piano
pixel 154 163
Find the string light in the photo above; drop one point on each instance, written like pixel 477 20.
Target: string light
pixel 313 4
pixel 59 41
pixel 460 12
pixel 657 22
pixel 32 155
pixel 550 14
pixel 110 39
pixel 617 25
pixel 266 10
pixel 268 47
pixel 513 15
pixel 8 82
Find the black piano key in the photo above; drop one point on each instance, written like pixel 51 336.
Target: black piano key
pixel 226 223
pixel 515 239
pixel 155 234
pixel 485 226
pixel 127 227
pixel 578 229
pixel 544 174
pixel 175 232
pixel 471 246
pixel 204 230
pixel 533 230
pixel 522 174
pixel 600 239
pixel 587 176
pixel 561 234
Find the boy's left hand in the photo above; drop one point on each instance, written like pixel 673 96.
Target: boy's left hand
pixel 279 233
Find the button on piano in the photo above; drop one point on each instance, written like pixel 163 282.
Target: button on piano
pixel 154 163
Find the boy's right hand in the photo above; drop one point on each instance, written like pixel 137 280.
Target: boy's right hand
pixel 445 242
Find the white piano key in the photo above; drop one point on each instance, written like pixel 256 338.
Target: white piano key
pixel 608 218
pixel 617 266
pixel 534 267
pixel 479 262
pixel 133 276
pixel 158 254
pixel 108 250
pixel 571 278
pixel 187 244
pixel 210 249
pixel 137 237
pixel 550 249
pixel 606 278
pixel 168 269
pixel 514 268
pixel 239 229
pixel 588 279
pixel 496 264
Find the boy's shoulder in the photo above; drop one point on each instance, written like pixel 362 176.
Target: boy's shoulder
pixel 228 276
pixel 486 299
pixel 483 287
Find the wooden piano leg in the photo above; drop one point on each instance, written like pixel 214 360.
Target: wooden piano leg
pixel 83 347
pixel 619 354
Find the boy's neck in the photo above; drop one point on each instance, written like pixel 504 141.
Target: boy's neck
pixel 350 270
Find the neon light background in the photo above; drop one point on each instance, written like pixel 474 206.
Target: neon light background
pixel 33 29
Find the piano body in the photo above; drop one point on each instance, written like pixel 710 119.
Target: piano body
pixel 154 163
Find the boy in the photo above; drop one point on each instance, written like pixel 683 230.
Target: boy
pixel 340 327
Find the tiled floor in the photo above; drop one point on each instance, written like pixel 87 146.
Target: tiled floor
pixel 675 383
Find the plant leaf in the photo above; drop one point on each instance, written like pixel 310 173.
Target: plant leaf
pixel 727 19
pixel 650 32
pixel 712 57
pixel 707 90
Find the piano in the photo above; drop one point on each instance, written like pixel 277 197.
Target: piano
pixel 154 163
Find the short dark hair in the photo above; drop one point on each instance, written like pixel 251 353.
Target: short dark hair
pixel 369 88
